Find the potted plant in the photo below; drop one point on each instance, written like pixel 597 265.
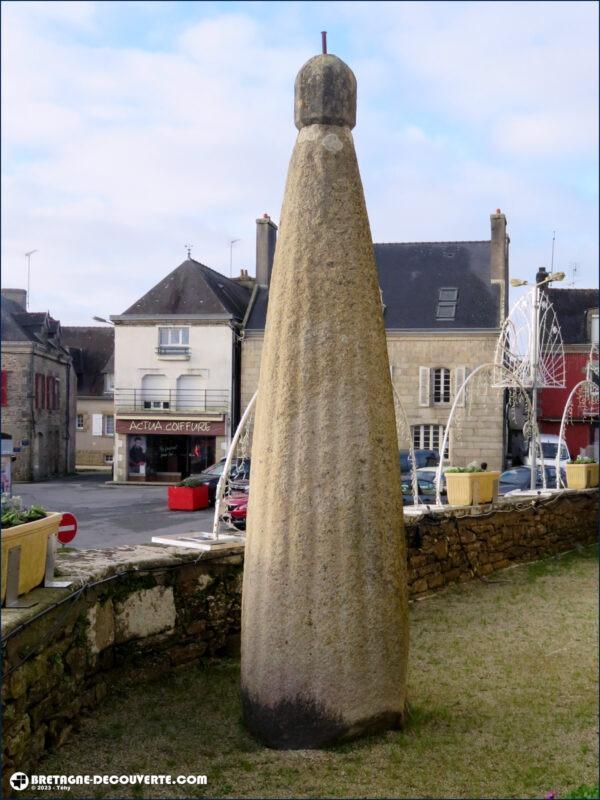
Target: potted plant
pixel 30 529
pixel 582 473
pixel 468 486
pixel 190 494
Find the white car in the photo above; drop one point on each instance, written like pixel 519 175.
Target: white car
pixel 550 444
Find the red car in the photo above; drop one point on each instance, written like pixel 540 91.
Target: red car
pixel 237 506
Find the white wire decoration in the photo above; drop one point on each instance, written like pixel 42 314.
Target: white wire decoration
pixel 591 371
pixel 530 345
pixel 518 397
pixel 586 393
pixel 236 464
pixel 403 433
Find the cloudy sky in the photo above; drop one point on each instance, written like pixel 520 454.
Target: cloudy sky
pixel 133 128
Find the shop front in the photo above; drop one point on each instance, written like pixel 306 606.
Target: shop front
pixel 167 450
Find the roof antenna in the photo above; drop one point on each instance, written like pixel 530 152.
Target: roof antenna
pixel 552 261
pixel 189 250
pixel 324 42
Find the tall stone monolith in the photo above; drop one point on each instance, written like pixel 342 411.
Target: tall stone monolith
pixel 324 609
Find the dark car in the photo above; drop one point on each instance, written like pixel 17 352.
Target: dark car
pixel 424 458
pixel 426 493
pixel 520 478
pixel 240 471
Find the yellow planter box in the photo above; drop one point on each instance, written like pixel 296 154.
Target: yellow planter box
pixel 33 539
pixel 470 488
pixel 582 476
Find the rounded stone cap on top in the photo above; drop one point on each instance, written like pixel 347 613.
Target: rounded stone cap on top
pixel 325 93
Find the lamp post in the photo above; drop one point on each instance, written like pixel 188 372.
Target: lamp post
pixel 101 319
pixel 28 257
pixel 534 358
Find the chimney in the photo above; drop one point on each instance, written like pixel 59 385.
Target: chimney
pixel 499 259
pixel 266 239
pixel 19 296
pixel 541 275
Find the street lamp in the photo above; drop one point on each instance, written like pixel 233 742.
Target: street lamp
pixel 101 319
pixel 28 257
pixel 534 357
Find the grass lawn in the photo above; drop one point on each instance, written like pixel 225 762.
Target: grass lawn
pixel 503 693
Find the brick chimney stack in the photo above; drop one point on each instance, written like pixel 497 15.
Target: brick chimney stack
pixel 499 258
pixel 266 239
pixel 19 296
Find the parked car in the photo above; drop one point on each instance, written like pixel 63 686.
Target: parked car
pixel 237 508
pixel 429 474
pixel 424 458
pixel 550 444
pixel 240 471
pixel 426 493
pixel 519 479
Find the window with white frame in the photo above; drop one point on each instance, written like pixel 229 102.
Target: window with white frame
pixel 109 425
pixel 80 424
pixel 594 326
pixel 441 385
pixel 429 437
pixel 173 337
pixel 108 458
pixel 109 382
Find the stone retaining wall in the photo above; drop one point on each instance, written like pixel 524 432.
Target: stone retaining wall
pixel 151 609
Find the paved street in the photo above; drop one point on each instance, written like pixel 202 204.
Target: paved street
pixel 112 515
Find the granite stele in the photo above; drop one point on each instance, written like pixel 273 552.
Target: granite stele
pixel 324 609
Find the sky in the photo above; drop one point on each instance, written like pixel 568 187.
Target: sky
pixel 132 129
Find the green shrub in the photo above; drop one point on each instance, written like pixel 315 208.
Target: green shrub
pixel 191 482
pixel 582 460
pixel 13 514
pixel 464 469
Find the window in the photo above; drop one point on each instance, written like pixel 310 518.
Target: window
pixel 173 337
pixel 441 385
pixel 109 425
pixel 446 307
pixel 594 327
pixel 56 394
pixel 429 437
pixel 109 382
pixel 4 387
pixel 40 391
pixel 108 458
pixel 80 425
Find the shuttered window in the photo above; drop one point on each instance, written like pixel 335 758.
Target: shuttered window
pixel 97 425
pixel 40 390
pixel 441 385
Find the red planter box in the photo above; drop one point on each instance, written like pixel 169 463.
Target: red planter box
pixel 187 498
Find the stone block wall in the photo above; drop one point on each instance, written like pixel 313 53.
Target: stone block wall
pixel 143 610
pixel 459 546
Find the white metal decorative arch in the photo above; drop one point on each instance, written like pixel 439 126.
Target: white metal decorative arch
pixel 589 387
pixel 224 479
pixel 496 370
pixel 403 425
pixel 530 345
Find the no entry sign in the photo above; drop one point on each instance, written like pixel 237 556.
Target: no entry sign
pixel 67 530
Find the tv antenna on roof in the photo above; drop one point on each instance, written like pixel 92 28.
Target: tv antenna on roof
pixel 189 249
pixel 574 269
pixel 552 259
pixel 28 257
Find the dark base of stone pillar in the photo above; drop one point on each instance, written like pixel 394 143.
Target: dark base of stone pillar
pixel 304 725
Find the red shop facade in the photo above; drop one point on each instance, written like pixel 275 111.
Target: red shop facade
pixel 168 450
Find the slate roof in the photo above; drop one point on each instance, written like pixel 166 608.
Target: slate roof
pixel 17 325
pixel 92 349
pixel 570 306
pixel 193 288
pixel 410 277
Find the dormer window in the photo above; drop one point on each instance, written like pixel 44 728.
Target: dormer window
pixel 446 307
